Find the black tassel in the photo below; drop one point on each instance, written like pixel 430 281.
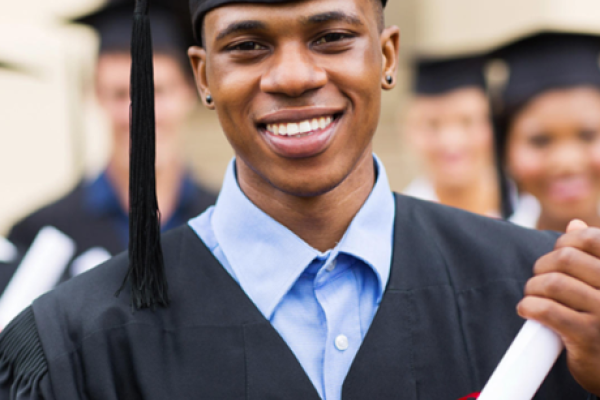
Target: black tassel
pixel 146 274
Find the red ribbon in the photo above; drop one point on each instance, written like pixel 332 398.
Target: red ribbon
pixel 470 397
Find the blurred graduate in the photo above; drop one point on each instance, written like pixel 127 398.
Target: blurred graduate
pixel 449 125
pixel 309 278
pixel 549 128
pixel 95 213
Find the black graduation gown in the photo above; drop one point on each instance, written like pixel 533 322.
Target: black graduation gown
pixel 447 317
pixel 90 230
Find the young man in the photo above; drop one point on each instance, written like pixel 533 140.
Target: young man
pixel 309 279
pixel 95 213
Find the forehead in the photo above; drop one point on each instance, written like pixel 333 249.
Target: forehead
pixel 270 14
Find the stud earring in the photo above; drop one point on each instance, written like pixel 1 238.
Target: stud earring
pixel 209 99
pixel 389 79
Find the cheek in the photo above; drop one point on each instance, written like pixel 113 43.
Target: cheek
pixel 595 157
pixel 525 165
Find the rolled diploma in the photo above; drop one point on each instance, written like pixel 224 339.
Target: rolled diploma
pixel 41 269
pixel 525 365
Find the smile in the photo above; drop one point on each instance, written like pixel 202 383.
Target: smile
pixel 305 127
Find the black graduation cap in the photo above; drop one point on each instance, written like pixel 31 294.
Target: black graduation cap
pixel 439 76
pixel 170 19
pixel 146 274
pixel 546 61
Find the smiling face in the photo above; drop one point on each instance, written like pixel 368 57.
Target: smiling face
pixel 174 100
pixel 452 134
pixel 297 88
pixel 554 152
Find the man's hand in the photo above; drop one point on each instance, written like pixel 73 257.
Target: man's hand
pixel 564 295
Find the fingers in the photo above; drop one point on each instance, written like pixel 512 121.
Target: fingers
pixel 565 290
pixel 576 225
pixel 587 239
pixel 573 327
pixel 572 262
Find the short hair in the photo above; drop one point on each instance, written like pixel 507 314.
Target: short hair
pixel 379 14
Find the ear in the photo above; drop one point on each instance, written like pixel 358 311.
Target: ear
pixel 390 49
pixel 198 60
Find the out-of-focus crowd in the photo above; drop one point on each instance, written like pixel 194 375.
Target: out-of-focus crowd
pixel 512 132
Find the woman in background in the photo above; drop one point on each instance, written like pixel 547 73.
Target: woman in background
pixel 549 128
pixel 450 128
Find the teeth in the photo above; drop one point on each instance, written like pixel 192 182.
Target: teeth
pixel 305 127
pixel 293 129
pixel 298 128
pixel 314 124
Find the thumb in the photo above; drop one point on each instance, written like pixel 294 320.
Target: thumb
pixel 576 225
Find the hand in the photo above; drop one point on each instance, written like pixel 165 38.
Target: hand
pixel 564 295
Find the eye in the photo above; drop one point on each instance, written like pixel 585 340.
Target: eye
pixel 247 46
pixel 332 37
pixel 588 135
pixel 540 141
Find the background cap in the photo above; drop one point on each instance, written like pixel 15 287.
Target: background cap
pixel 439 76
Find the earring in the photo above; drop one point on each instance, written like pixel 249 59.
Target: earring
pixel 389 79
pixel 209 99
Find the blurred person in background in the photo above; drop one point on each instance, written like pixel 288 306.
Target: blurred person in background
pixel 549 128
pixel 449 125
pixel 95 214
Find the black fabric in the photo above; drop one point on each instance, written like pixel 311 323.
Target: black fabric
pixel 549 61
pixel 199 8
pixel 171 28
pixel 88 229
pixel 447 317
pixel 439 76
pixel 22 359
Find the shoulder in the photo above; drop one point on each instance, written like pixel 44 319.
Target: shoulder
pixel 476 247
pixel 90 303
pixel 64 209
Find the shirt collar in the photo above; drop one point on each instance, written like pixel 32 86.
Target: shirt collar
pixel 267 258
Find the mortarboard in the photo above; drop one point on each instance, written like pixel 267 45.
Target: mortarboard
pixel 548 61
pixel 172 31
pixel 439 76
pixel 146 274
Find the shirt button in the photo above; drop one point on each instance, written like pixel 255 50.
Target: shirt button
pixel 341 342
pixel 331 266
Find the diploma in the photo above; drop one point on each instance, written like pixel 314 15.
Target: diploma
pixel 8 252
pixel 41 270
pixel 525 365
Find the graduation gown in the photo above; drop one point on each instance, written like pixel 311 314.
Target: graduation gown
pixel 89 229
pixel 446 318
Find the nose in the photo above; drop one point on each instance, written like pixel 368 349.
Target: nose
pixel 293 72
pixel 569 158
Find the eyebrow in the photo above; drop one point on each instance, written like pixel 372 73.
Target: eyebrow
pixel 332 16
pixel 241 26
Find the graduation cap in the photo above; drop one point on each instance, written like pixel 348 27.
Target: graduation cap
pixel 440 76
pixel 170 21
pixel 146 274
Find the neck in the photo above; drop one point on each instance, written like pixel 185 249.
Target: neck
pixel 548 222
pixel 481 196
pixel 168 185
pixel 321 221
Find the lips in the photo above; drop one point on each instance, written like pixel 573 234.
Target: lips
pixel 300 134
pixel 570 189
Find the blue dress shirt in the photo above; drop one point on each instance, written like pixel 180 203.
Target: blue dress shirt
pixel 322 304
pixel 101 199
